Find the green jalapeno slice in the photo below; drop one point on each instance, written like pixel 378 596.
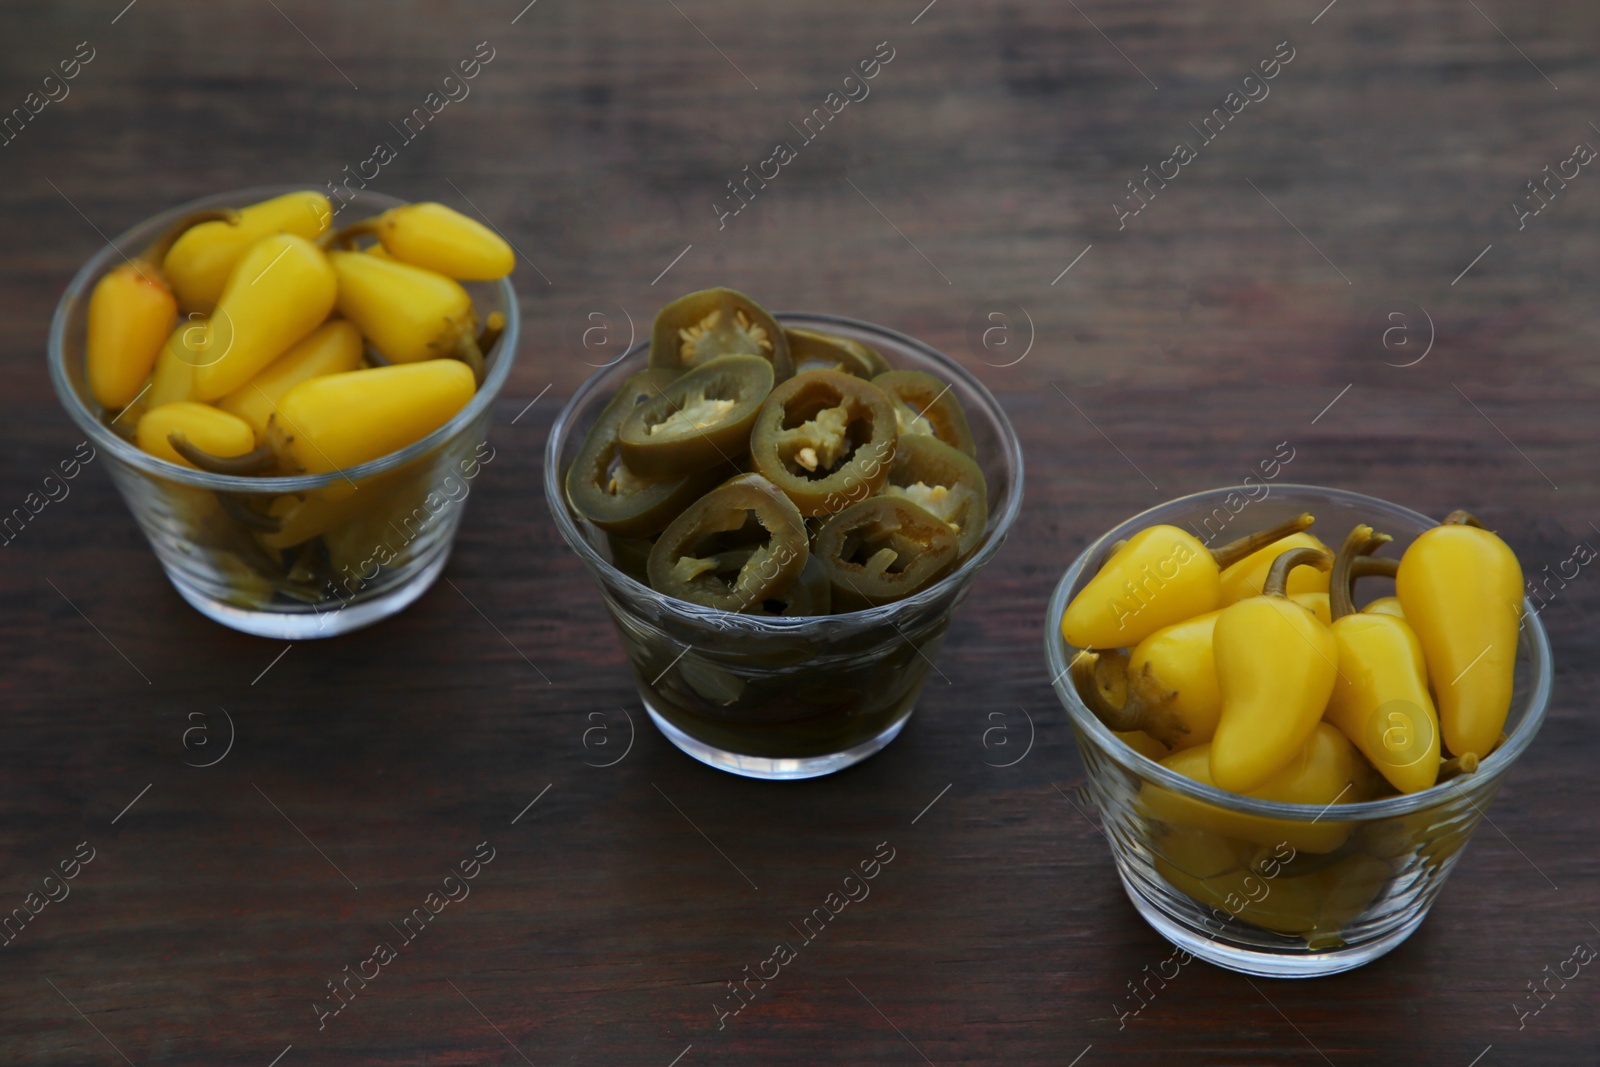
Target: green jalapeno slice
pixel 739 545
pixel 605 490
pixel 826 439
pixel 923 404
pixel 815 350
pixel 943 482
pixel 700 420
pixel 717 322
pixel 882 550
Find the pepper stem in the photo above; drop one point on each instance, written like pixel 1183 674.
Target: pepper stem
pixel 1361 542
pixel 246 516
pixel 1374 567
pixel 1456 766
pixel 257 461
pixel 1147 706
pixel 158 249
pixel 1234 551
pixel 1277 583
pixel 346 237
pixel 1463 517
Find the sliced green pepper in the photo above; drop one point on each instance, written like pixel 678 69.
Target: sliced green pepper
pixel 882 550
pixel 739 545
pixel 826 439
pixel 944 482
pixel 717 322
pixel 815 350
pixel 700 420
pixel 602 488
pixel 923 404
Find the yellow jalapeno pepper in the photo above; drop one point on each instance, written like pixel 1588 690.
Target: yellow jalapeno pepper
pixel 1266 887
pixel 338 421
pixel 200 262
pixel 1167 688
pixel 408 313
pixel 1170 687
pixel 131 314
pixel 1142 743
pixel 1321 772
pixel 298 517
pixel 332 348
pixel 1380 696
pixel 164 431
pixel 279 291
pixel 1385 605
pixel 1461 589
pixel 1159 576
pixel 173 378
pixel 439 239
pixel 1276 664
pixel 1316 603
pixel 1244 579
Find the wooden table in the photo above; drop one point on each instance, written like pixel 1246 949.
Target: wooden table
pixel 1245 305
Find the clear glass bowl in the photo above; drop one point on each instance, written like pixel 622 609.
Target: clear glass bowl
pixel 1282 890
pixel 388 525
pixel 783 697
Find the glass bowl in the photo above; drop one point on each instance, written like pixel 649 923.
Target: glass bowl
pixel 773 697
pixel 1266 888
pixel 388 524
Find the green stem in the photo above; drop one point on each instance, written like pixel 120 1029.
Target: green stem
pixel 1234 551
pixel 1361 542
pixel 258 460
pixel 1277 583
pixel 346 237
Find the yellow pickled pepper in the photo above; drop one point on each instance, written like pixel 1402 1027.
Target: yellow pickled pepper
pixel 408 313
pixel 200 262
pixel 300 517
pixel 1316 603
pixel 440 239
pixel 1161 575
pixel 1178 659
pixel 1380 696
pixel 173 378
pixel 1276 664
pixel 332 348
pixel 1460 587
pixel 338 421
pixel 1169 689
pixel 1385 605
pixel 131 313
pixel 200 425
pixel 1245 578
pixel 279 291
pixel 1319 772
pixel 1142 743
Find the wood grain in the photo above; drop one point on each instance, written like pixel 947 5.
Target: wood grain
pixel 1176 352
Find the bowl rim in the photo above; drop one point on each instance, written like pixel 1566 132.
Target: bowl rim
pixel 103 437
pixel 1001 518
pixel 1490 771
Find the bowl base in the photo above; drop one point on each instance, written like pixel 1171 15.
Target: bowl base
pixel 309 624
pixel 1233 956
pixel 776 768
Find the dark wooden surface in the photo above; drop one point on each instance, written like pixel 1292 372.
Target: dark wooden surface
pixel 1196 339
